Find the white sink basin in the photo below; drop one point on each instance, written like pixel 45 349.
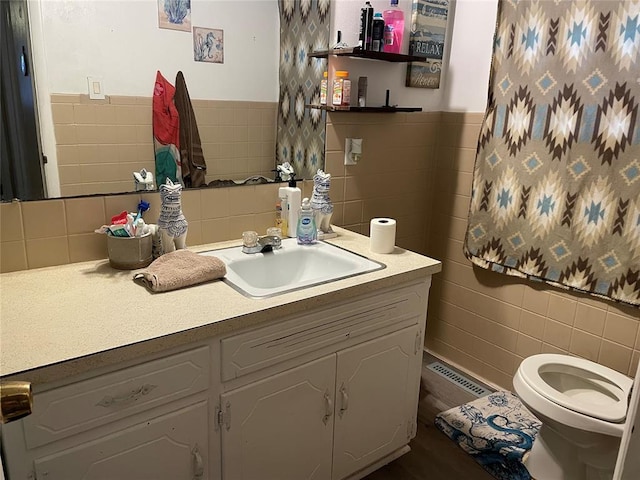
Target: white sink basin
pixel 291 267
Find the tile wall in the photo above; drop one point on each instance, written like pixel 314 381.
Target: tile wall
pixel 102 142
pixel 391 180
pixel 394 177
pixel 487 322
pixel 416 168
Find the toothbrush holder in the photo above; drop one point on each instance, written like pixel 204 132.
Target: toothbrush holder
pixel 129 253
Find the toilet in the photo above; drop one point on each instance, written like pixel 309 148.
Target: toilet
pixel 582 406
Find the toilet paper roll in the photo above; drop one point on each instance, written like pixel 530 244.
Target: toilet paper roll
pixel 382 237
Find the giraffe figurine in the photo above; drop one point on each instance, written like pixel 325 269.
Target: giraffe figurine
pixel 171 222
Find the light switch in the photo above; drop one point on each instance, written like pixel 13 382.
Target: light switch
pixel 96 91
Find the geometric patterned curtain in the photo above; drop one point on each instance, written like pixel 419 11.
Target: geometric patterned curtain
pixel 556 184
pixel 304 27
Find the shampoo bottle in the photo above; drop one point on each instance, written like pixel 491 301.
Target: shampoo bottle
pixel 293 195
pixel 377 33
pixel 307 231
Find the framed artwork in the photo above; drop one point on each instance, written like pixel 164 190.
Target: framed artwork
pixel 427 39
pixel 208 45
pixel 174 14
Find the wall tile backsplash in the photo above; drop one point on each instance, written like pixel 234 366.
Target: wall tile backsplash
pixel 101 142
pixel 416 168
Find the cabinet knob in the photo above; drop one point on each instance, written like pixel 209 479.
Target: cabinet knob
pixel 16 401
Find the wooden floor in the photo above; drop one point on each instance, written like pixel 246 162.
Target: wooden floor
pixel 433 455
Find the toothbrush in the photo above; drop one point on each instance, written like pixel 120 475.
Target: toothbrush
pixel 131 226
pixel 142 207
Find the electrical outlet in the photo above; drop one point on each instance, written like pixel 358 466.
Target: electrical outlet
pixel 352 151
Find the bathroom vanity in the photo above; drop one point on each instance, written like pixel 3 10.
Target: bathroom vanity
pixel 207 383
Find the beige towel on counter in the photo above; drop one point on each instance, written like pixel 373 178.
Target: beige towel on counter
pixel 179 269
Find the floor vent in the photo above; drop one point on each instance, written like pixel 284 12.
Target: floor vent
pixel 458 379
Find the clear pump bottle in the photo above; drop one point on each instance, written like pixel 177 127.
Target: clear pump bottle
pixel 307 230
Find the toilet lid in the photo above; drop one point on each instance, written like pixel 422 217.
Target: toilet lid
pixel 579 385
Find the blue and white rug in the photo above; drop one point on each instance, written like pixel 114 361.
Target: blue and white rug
pixel 496 430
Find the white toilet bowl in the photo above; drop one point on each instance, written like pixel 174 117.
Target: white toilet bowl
pixel 582 406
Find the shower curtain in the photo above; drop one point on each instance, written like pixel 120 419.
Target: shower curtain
pixel 556 184
pixel 304 27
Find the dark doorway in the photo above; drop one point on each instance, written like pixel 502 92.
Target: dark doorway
pixel 21 159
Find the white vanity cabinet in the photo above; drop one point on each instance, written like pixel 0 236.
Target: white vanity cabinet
pixel 148 421
pixel 350 401
pixel 328 394
pixel 326 419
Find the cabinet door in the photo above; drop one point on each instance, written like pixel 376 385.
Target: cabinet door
pixel 377 386
pixel 172 446
pixel 281 428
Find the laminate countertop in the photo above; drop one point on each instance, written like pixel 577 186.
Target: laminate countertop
pixel 60 321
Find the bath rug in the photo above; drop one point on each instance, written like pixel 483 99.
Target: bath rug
pixel 496 430
pixel 556 183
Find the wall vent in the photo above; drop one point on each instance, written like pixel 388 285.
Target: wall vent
pixel 458 379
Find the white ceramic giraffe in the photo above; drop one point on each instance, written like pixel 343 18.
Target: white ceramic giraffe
pixel 171 222
pixel 321 203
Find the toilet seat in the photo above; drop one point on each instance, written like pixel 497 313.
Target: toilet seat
pixel 600 392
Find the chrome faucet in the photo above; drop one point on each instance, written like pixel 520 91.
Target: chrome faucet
pixel 264 244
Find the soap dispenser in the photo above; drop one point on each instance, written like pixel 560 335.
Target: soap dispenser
pixel 293 195
pixel 307 231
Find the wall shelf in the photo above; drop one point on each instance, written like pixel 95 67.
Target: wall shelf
pixel 356 52
pixel 382 109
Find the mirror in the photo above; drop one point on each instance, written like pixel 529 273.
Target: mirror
pixel 115 48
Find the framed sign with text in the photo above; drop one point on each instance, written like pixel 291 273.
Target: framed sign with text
pixel 426 39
